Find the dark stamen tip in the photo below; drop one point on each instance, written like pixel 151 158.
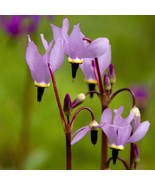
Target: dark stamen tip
pixel 94 136
pixel 40 91
pixel 74 69
pixel 115 155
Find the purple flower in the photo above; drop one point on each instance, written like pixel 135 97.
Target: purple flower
pixel 38 64
pixel 104 62
pixel 74 46
pixel 79 134
pixel 139 129
pixel 119 130
pixel 16 25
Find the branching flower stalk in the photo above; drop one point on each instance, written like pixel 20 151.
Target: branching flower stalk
pixel 94 59
pixel 66 125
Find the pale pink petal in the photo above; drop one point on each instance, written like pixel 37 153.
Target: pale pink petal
pixel 140 132
pixel 80 134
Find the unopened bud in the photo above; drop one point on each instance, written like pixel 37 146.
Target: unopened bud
pixel 112 74
pixel 78 100
pixel 107 83
pixel 67 105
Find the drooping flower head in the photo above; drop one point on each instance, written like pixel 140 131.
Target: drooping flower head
pixel 38 64
pixel 74 46
pixel 79 134
pixel 139 128
pixel 119 130
pixel 88 70
pixel 16 25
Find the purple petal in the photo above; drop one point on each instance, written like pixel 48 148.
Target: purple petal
pixel 57 32
pixel 105 60
pixel 76 43
pixel 45 43
pixel 106 116
pixel 97 48
pixel 65 29
pixel 140 132
pixel 88 70
pixel 123 134
pixel 118 120
pixel 109 131
pixel 37 64
pixel 128 119
pixel 80 134
pixel 135 123
pixel 32 54
pixel 57 55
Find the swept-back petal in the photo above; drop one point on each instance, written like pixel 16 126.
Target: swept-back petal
pixel 65 28
pixel 129 118
pixel 80 134
pixel 76 43
pixel 88 70
pixel 106 116
pixel 105 60
pixel 57 55
pixel 110 133
pixel 140 132
pixel 32 54
pixel 123 134
pixel 37 65
pixel 57 32
pixel 118 120
pixel 44 41
pixel 96 48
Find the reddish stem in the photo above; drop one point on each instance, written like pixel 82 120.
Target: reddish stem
pixel 57 97
pixel 125 89
pixel 78 111
pixel 68 151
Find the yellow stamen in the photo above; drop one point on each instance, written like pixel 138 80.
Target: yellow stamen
pixel 119 147
pixel 93 124
pixel 41 84
pixel 90 81
pixel 75 60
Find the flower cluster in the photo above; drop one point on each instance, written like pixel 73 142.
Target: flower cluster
pixel 94 60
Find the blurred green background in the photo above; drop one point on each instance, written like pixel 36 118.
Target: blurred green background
pixel 31 133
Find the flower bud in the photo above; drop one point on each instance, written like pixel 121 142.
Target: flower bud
pixel 112 74
pixel 107 83
pixel 78 100
pixel 67 105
